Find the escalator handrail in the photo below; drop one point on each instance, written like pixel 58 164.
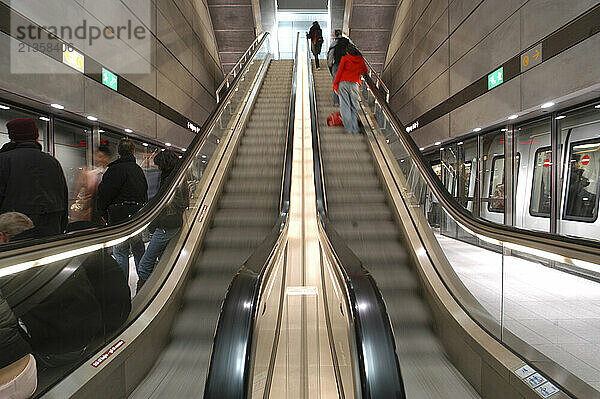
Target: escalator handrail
pixel 22 255
pixel 240 63
pixel 567 247
pixel 375 343
pixel 235 328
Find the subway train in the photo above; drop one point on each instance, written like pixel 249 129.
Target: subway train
pixel 579 171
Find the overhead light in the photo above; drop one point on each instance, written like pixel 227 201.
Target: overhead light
pixel 100 131
pixel 92 118
pixel 561 116
pixel 460 143
pixel 477 129
pixel 145 144
pixel 505 130
pixel 441 148
pixel 168 144
pixel 128 131
pixel 513 116
pixel 45 119
pixel 437 143
pixel 203 161
pixel 548 104
pixel 5 107
pixel 422 148
pixel 203 156
pixel 180 156
pixel 57 106
pixel 597 107
pixel 184 149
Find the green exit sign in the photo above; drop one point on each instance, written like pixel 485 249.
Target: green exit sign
pixel 109 79
pixel 495 78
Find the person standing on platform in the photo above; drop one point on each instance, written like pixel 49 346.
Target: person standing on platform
pixel 346 83
pixel 121 193
pixel 315 34
pixel 31 181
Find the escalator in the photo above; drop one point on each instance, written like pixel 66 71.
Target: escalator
pixel 246 213
pixel 358 210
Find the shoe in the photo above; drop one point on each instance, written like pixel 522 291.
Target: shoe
pixel 318 68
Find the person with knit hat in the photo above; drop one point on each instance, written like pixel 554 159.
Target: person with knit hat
pixel 31 181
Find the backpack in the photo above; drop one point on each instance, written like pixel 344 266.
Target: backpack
pixel 331 57
pixel 340 50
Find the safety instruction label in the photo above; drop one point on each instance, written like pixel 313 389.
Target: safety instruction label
pixel 119 344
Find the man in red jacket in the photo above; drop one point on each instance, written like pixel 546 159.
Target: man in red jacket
pixel 346 85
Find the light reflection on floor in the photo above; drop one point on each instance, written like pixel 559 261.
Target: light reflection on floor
pixel 555 312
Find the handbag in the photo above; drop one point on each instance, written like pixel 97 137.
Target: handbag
pixel 335 119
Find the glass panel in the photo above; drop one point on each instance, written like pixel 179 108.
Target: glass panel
pixel 9 112
pixel 496 194
pixel 70 146
pixel 542 309
pixel 72 308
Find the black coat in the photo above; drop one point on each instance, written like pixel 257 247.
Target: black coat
pixel 12 345
pixel 123 190
pixel 32 182
pixel 315 34
pixel 172 216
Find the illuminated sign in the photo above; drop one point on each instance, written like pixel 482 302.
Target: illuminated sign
pixel 109 79
pixel 412 127
pixel 193 127
pixel 496 78
pixel 547 163
pixel 73 59
pixel 531 57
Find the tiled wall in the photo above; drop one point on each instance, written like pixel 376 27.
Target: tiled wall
pixel 439 47
pixel 182 68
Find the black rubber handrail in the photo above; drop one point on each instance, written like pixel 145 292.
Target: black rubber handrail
pixel 566 246
pixel 31 250
pixel 230 371
pixel 380 375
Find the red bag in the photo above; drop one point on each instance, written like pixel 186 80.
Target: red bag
pixel 335 119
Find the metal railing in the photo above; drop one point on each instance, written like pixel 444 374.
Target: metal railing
pixel 240 64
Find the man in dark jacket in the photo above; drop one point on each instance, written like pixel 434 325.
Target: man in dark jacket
pixel 315 34
pixel 31 181
pixel 336 51
pixel 121 193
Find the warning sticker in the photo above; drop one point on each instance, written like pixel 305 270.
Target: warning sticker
pixel 108 353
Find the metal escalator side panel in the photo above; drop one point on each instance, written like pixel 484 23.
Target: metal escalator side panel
pixel 230 372
pixel 376 348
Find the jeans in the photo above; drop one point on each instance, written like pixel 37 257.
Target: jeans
pixel 334 69
pixel 121 253
pixel 156 247
pixel 349 105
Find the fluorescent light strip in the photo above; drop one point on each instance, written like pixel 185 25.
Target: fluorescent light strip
pixel 20 267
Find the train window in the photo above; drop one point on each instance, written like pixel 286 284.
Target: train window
pixel 496 193
pixel 540 189
pixel 582 184
pixel 496 203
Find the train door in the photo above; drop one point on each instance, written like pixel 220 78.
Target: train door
pixel 581 189
pixel 533 195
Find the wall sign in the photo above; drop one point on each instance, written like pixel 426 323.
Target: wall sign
pixel 73 59
pixel 496 78
pixel 109 79
pixel 531 57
